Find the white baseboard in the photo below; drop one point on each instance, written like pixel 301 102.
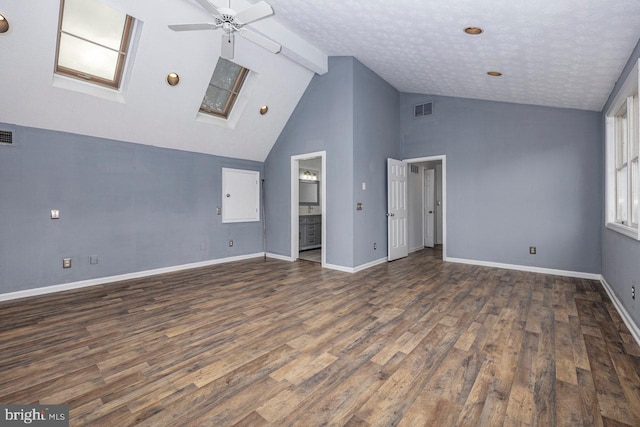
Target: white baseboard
pixel 111 279
pixel 280 257
pixel 551 271
pixel 358 268
pixel 416 249
pixel 626 318
pixel 370 264
pixel 339 268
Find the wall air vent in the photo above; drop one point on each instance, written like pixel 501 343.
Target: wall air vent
pixel 415 169
pixel 6 137
pixel 422 110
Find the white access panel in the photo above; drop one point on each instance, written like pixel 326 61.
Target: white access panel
pixel 240 195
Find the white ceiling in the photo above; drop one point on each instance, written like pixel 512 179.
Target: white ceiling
pixel 149 111
pixel 563 53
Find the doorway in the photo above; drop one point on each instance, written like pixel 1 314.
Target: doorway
pixel 426 203
pixel 308 212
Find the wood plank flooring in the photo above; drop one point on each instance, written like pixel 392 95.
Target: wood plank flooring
pixel 255 343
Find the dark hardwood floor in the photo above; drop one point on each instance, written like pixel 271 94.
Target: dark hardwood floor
pixel 413 342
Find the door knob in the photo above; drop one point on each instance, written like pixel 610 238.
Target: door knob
pixel 391 214
pixel 430 211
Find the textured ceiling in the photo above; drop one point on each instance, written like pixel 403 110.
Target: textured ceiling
pixel 562 53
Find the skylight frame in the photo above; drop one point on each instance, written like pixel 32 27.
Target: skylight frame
pixel 234 92
pixel 125 43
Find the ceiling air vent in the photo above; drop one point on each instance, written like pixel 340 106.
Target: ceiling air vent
pixel 6 137
pixel 422 110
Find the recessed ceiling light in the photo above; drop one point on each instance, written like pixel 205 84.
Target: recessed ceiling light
pixel 474 31
pixel 4 24
pixel 264 109
pixel 494 73
pixel 173 79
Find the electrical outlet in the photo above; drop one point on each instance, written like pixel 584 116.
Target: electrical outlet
pixel 93 259
pixel 532 250
pixel 230 243
pixel 633 292
pixel 66 262
pixel 375 246
pixel 55 214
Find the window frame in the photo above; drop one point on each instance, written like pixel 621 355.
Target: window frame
pixel 234 93
pixel 125 44
pixel 623 133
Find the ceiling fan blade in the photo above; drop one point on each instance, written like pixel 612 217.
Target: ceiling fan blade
pixel 253 13
pixel 211 8
pixel 261 41
pixel 227 46
pixel 194 27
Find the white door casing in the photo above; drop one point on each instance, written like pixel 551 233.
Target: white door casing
pixel 397 233
pixel 429 207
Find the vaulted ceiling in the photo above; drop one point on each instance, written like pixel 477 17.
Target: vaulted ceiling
pixel 561 53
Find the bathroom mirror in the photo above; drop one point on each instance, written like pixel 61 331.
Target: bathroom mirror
pixel 309 193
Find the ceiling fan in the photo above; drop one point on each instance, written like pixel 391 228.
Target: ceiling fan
pixel 233 22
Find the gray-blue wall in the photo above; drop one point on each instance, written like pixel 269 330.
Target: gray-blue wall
pixel 517 176
pixel 352 114
pixel 136 207
pixel 322 121
pixel 621 254
pixel 376 137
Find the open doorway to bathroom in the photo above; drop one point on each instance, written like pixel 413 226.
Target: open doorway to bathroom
pixel 308 215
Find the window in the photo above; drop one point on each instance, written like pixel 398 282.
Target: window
pixel 623 141
pixel 92 42
pixel 223 88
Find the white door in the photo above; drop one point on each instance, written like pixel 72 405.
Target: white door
pixel 397 209
pixel 429 207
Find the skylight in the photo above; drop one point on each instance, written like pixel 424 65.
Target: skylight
pixel 223 88
pixel 92 41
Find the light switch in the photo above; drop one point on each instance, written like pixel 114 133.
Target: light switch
pixel 364 185
pixel 55 214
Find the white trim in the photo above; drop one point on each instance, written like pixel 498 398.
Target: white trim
pixel 419 248
pixel 280 257
pixel 111 279
pixel 551 271
pixel 633 328
pixel 442 158
pixel 624 229
pixel 358 268
pixel 340 268
pixel 629 88
pixel 369 264
pixel 295 208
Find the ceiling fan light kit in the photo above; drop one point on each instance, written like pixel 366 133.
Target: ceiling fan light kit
pixel 232 22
